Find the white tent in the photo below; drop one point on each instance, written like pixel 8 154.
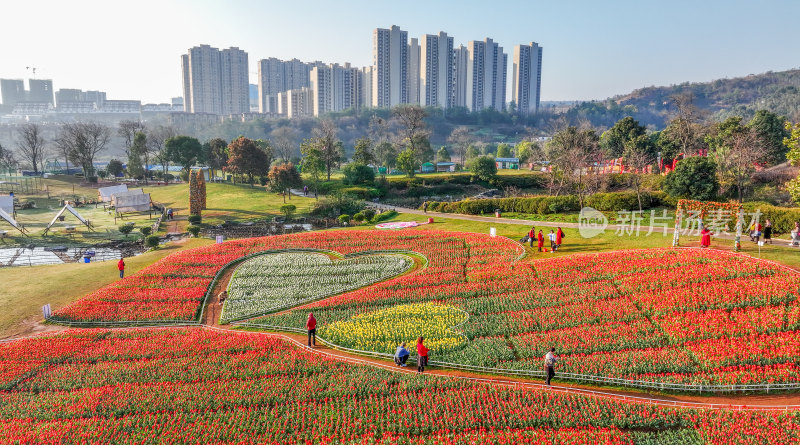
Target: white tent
pixel 68 208
pixel 10 219
pixel 7 204
pixel 132 201
pixel 107 192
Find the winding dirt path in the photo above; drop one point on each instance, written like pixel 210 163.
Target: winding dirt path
pixel 774 401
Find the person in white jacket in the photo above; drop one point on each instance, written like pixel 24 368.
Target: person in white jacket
pixel 549 363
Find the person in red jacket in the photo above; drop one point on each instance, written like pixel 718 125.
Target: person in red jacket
pixel 422 355
pixel 532 235
pixel 559 235
pixel 705 238
pixel 540 238
pixel 311 325
pixel 121 267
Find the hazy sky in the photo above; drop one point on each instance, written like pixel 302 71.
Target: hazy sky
pixel 593 49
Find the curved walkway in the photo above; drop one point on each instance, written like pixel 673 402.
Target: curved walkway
pixel 789 401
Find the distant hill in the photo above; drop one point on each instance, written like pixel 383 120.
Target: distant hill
pixel 778 92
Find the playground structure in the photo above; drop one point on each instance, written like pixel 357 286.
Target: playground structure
pixel 68 208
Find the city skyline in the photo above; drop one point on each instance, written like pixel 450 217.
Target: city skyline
pixel 593 50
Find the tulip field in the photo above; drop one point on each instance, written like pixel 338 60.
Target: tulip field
pixel 271 282
pixel 681 317
pixel 194 384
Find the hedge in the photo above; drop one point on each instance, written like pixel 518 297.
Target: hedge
pixel 782 218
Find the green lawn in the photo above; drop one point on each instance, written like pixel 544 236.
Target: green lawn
pixel 229 202
pixel 22 298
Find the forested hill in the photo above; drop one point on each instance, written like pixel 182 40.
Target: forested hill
pixel 778 92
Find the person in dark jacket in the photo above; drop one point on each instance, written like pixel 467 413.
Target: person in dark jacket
pixel 768 231
pixel 401 355
pixel 422 355
pixel 550 363
pixel 311 325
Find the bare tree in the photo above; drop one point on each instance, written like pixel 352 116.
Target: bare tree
pixel 460 139
pixel 284 139
pixel 31 145
pixel 7 159
pixel 127 130
pixel 155 144
pixel 570 153
pixel 414 132
pixel 685 128
pixel 738 157
pixel 638 155
pixel 325 138
pixel 378 130
pixel 83 141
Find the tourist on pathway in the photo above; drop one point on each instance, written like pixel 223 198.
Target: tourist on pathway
pixel 559 237
pixel 121 267
pixel 552 237
pixel 540 239
pixel 532 235
pixel 305 190
pixel 222 296
pixel 796 234
pixel 705 238
pixel 401 355
pixel 768 231
pixel 422 355
pixel 755 232
pixel 311 325
pixel 169 214
pixel 549 363
pixel 425 206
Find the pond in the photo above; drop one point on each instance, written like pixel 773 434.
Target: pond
pixel 39 256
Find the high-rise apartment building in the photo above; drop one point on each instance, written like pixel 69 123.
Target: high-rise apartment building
pixel 275 76
pixel 460 60
pixel 390 67
pixel 40 90
pixel 487 68
pixel 413 71
pixel 11 92
pixel 215 81
pixel 526 77
pixel 335 88
pixel 436 71
pixel 296 103
pixel 366 86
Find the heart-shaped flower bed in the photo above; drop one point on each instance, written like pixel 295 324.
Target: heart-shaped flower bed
pixel 383 330
pixel 277 281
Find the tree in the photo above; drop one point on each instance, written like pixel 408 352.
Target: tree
pixel 771 129
pixel 185 151
pixel 114 168
pixel 358 174
pixel 283 177
pixel 155 144
pixel 693 178
pixel 363 152
pixel 443 155
pixel 460 140
pixel 414 131
pixel 504 151
pixel 127 130
pixel 570 153
pixel 638 155
pixel 284 139
pixel 313 163
pixel 386 154
pixel 136 156
pixel 216 154
pixel 31 145
pixel 528 152
pixel 484 168
pixel 407 162
pixel 83 141
pixel 736 150
pixel 614 139
pixel 471 153
pixel 792 143
pixel 684 134
pixel 247 158
pixel 7 160
pixel 325 138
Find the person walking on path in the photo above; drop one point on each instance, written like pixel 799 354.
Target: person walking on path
pixel 425 206
pixel 422 355
pixel 305 190
pixel 401 355
pixel 532 235
pixel 552 237
pixel 705 238
pixel 121 267
pixel 170 214
pixel 540 239
pixel 550 363
pixel 559 237
pixel 768 231
pixel 311 325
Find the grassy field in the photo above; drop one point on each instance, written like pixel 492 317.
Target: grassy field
pixel 21 297
pixel 229 202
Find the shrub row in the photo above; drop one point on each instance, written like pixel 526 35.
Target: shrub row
pixel 782 218
pixel 543 205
